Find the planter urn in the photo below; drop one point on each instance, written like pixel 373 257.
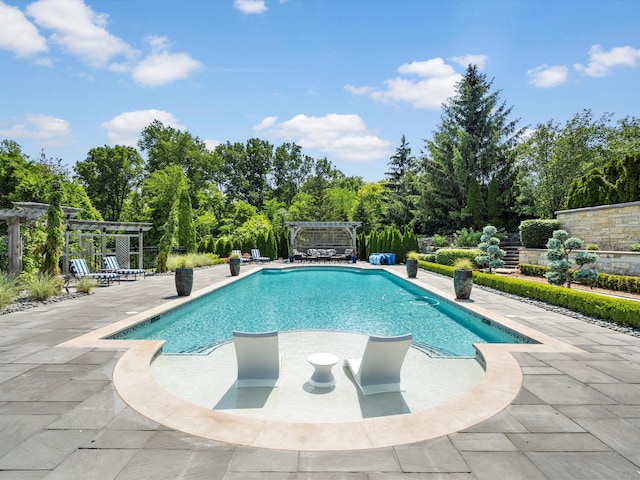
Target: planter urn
pixel 184 281
pixel 234 266
pixel 412 267
pixel 462 283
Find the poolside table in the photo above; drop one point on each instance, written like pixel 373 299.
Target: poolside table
pixel 322 363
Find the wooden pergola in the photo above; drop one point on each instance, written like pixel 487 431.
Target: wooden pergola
pixel 338 235
pixel 23 212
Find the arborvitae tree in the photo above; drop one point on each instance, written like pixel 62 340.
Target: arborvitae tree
pixel 474 140
pixel 396 242
pixel 54 244
pixel 186 229
pixel 475 204
pixel 166 241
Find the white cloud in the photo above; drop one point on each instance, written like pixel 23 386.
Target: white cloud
pixel 344 137
pixel 79 30
pixel 358 90
pixel 478 60
pixel 212 144
pixel 50 131
pixel 18 35
pixel 162 68
pixel 545 76
pixel 429 68
pixel 125 128
pixel 436 86
pixel 601 63
pixel 250 6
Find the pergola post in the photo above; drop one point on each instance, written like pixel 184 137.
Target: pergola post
pixel 140 250
pixel 65 257
pixel 15 246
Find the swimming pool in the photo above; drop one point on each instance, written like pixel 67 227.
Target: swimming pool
pixel 322 298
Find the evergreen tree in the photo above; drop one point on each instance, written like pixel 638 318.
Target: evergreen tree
pixel 186 228
pixel 494 212
pixel 401 195
pixel 54 242
pixel 475 204
pixel 474 140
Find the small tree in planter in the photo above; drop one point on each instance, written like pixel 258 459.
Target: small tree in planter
pixel 234 264
pixel 560 267
pixel 493 254
pixel 463 278
pixel 412 264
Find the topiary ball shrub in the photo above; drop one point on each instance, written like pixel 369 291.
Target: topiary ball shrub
pixel 535 233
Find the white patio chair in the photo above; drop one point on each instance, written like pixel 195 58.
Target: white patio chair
pixel 378 370
pixel 258 358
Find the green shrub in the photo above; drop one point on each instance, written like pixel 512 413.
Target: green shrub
pixel 8 288
pixel 192 260
pixel 635 247
pixel 43 287
pixel 592 246
pixel 535 233
pixel 466 238
pixel 533 270
pixel 427 257
pixel 447 256
pixel 440 241
pixel 85 284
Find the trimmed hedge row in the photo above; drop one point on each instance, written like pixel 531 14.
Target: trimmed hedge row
pixel 535 233
pixel 448 256
pixel 533 270
pixel 618 283
pixel 620 311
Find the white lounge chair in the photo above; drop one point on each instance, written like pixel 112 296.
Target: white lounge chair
pixel 255 253
pixel 239 253
pixel 80 269
pixel 258 358
pixel 110 263
pixel 378 370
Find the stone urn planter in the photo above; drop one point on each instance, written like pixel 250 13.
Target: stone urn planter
pixel 234 266
pixel 463 278
pixel 412 264
pixel 184 281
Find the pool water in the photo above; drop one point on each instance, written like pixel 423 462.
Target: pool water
pixel 372 302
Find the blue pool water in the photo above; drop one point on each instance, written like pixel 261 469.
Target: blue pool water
pixel 340 299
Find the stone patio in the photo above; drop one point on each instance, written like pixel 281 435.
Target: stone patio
pixel 577 414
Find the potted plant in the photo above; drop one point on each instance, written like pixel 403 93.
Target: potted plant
pixel 234 264
pixel 184 278
pixel 412 264
pixel 463 278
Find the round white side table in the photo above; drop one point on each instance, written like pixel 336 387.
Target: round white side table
pixel 322 364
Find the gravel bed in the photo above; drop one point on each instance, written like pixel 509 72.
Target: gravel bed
pixel 565 311
pixel 23 302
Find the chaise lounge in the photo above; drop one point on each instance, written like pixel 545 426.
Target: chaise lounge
pixel 110 263
pixel 378 370
pixel 79 269
pixel 258 358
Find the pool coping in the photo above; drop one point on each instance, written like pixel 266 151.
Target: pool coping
pixel 135 384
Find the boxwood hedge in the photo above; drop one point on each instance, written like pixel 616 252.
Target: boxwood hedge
pixel 535 233
pixel 616 310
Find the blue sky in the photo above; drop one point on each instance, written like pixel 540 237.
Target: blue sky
pixel 344 79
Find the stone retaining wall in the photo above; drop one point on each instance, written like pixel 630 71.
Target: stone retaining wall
pixel 611 227
pixel 616 263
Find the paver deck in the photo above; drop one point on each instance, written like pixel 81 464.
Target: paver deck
pixel 577 414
